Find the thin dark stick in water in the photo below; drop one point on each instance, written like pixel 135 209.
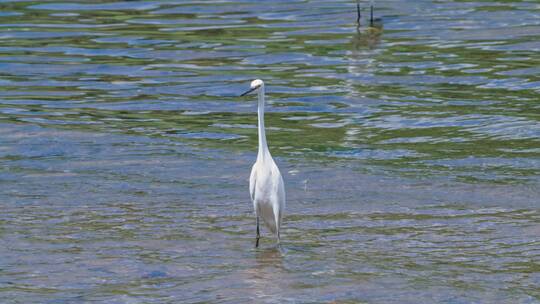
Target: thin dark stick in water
pixel 358 12
pixel 371 17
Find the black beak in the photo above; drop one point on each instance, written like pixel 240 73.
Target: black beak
pixel 249 91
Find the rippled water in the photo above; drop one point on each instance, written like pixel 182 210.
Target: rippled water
pixel 411 152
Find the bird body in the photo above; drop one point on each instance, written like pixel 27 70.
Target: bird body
pixel 266 185
pixel 267 193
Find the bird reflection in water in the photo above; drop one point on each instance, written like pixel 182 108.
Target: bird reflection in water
pixel 267 276
pixel 361 57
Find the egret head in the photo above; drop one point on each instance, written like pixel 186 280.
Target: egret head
pixel 255 86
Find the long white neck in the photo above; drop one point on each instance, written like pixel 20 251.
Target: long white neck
pixel 263 147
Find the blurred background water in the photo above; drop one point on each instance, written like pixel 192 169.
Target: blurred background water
pixel 411 153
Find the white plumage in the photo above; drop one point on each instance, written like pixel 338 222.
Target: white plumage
pixel 265 183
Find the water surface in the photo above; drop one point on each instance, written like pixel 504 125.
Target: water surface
pixel 411 153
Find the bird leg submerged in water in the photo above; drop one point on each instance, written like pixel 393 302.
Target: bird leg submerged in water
pixel 371 16
pixel 358 12
pixel 258 234
pixel 372 20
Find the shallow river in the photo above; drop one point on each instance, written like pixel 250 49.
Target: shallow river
pixel 410 152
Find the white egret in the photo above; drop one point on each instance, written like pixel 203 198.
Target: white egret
pixel 265 183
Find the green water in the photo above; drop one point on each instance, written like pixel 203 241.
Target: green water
pixel 411 152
